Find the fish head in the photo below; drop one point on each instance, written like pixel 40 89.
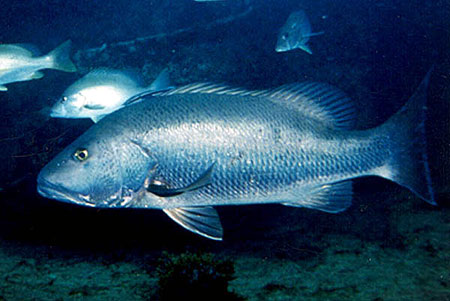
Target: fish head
pixel 283 42
pixel 70 106
pixel 102 168
pixel 87 172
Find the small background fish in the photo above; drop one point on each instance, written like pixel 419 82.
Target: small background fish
pixel 21 63
pixel 295 33
pixel 101 92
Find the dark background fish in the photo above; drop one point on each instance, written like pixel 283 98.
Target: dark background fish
pixel 377 52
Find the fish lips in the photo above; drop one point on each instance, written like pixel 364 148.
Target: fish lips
pixel 58 192
pixel 282 48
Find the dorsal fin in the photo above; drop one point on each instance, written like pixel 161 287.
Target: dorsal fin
pixel 209 88
pixel 32 49
pixel 316 100
pixel 15 49
pixel 105 75
pixel 319 101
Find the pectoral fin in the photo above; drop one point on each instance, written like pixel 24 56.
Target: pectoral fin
pixel 332 198
pixel 313 34
pixel 94 107
pixel 201 220
pixel 165 191
pixel 305 48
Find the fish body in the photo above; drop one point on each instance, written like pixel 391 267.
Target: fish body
pixel 199 146
pixel 101 92
pixel 20 63
pixel 295 33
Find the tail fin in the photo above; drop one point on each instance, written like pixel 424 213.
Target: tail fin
pixel 409 162
pixel 60 57
pixel 162 82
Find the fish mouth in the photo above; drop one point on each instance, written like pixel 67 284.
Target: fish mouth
pixel 57 192
pixel 282 48
pixel 55 112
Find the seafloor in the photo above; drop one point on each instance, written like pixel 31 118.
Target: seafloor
pixel 389 245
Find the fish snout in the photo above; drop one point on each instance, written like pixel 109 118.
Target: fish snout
pixel 49 186
pixel 58 110
pixel 44 187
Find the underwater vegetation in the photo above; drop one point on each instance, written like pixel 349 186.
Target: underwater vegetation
pixel 195 275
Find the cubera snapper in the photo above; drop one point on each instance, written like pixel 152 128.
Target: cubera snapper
pixel 198 146
pixel 20 63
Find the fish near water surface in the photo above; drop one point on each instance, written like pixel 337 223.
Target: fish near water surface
pixel 195 147
pixel 101 92
pixel 20 63
pixel 295 33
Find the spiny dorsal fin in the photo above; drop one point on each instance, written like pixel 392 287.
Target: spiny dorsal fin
pixel 209 88
pixel 317 100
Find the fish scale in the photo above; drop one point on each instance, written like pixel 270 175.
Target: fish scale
pixel 203 145
pixel 180 161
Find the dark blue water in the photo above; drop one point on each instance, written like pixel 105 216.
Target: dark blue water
pixel 389 245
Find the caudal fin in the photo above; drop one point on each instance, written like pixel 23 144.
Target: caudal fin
pixel 60 57
pixel 409 162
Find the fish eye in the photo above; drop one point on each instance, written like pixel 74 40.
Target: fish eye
pixel 81 154
pixel 64 99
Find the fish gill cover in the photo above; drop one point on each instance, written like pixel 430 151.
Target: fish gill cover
pixel 375 53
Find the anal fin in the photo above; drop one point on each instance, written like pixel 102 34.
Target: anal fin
pixel 201 220
pixel 332 198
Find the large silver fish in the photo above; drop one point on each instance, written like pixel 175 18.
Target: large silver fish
pixel 20 63
pixel 101 92
pixel 198 146
pixel 295 33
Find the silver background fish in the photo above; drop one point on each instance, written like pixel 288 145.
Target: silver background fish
pixel 295 145
pixel 21 63
pixel 101 92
